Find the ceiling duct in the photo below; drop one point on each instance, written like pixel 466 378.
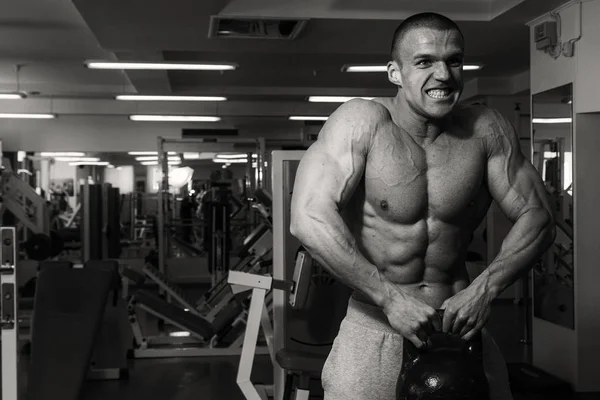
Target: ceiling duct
pixel 254 28
pixel 195 132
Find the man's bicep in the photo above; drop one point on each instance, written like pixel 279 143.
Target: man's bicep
pixel 516 189
pixel 332 167
pixel 514 183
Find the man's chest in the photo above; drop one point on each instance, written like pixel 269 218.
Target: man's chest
pixel 409 181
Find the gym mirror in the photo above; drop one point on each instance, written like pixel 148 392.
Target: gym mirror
pixel 552 139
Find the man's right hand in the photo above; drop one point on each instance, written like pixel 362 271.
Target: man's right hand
pixel 412 318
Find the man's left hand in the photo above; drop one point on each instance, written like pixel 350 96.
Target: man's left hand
pixel 467 311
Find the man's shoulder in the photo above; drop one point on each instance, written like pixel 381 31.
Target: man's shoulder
pixel 364 110
pixel 479 119
pixel 355 120
pixel 491 127
pixel 474 112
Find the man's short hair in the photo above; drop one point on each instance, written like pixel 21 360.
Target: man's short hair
pixel 428 20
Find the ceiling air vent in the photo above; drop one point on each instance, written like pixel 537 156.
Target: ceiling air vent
pixel 254 28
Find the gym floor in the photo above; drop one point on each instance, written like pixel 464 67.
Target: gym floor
pixel 214 378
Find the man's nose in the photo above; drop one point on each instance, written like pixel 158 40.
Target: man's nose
pixel 442 72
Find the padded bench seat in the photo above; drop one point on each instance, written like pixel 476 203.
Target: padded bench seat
pixel 300 361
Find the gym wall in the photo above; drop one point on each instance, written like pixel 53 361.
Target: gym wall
pixel 579 348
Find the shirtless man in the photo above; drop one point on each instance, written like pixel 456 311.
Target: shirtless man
pixel 387 198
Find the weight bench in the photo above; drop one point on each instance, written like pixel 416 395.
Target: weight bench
pixel 70 306
pixel 300 366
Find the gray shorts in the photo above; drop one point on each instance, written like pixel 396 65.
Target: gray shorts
pixel 366 357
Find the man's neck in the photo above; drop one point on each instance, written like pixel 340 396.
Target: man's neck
pixel 414 124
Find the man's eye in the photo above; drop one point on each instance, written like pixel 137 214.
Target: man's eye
pixel 455 63
pixel 424 63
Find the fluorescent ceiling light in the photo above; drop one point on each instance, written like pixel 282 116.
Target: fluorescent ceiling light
pixel 147 158
pixel 334 99
pixel 233 156
pixel 27 116
pixel 179 334
pixel 307 118
pixel 130 97
pixel 230 160
pixel 551 120
pixel 12 96
pixel 160 66
pixel 99 163
pixel 146 153
pixel 62 154
pixel 77 159
pixel 174 118
pixel 364 68
pixel 155 158
pixel 383 68
pixel 172 162
pixel 199 156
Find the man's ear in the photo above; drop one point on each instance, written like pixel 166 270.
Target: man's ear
pixel 393 70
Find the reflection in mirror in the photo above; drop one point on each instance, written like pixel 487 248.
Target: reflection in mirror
pixel 552 138
pixel 53 185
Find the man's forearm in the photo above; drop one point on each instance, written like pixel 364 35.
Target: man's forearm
pixel 330 243
pixel 529 238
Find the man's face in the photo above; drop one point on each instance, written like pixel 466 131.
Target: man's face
pixel 431 70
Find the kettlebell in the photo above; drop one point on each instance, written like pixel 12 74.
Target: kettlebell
pixel 449 368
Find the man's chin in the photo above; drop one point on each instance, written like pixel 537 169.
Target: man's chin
pixel 440 111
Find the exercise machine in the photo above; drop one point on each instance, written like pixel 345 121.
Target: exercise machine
pixel 24 203
pixel 215 323
pixel 254 257
pixel 31 212
pixel 100 229
pixel 219 335
pixel 165 215
pixel 259 317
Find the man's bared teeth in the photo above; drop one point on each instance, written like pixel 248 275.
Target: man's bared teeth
pixel 438 93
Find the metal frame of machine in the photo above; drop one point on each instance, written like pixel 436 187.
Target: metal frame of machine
pixel 9 321
pixel 258 317
pixel 280 236
pixel 295 291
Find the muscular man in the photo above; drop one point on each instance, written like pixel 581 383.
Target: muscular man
pixel 387 199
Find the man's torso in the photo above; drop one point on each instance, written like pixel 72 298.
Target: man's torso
pixel 418 203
